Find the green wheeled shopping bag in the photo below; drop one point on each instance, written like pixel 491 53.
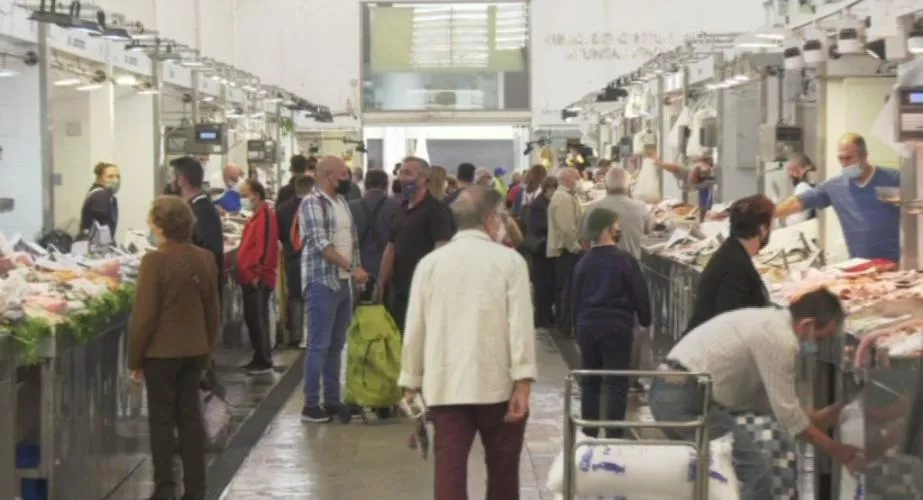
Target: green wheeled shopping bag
pixel 373 361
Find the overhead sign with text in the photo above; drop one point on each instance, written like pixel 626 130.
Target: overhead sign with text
pixel 579 49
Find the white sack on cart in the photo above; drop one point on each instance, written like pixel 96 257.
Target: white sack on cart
pixel 633 471
pixel 852 431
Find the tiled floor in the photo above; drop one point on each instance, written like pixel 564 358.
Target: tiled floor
pixel 360 461
pixel 243 393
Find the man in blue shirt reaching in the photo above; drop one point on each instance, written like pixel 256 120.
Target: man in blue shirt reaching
pixel 871 227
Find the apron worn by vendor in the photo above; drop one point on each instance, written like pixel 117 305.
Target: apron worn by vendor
pixel 99 206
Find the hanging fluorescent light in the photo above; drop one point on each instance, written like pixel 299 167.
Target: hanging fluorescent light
pixel 115 34
pixel 148 92
pixel 216 78
pixel 89 27
pixel 126 80
pixel 749 41
pixel 89 86
pixel 191 63
pixel 7 72
pixel 208 98
pixel 774 33
pixel 258 115
pixel 67 82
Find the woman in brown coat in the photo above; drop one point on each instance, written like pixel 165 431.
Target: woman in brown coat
pixel 173 329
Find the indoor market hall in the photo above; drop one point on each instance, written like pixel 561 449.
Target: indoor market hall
pixel 461 249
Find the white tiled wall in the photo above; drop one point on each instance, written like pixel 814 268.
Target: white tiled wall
pixel 21 164
pixel 134 153
pixel 73 166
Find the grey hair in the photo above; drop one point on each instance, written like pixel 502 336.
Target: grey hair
pixel 425 168
pixel 474 204
pixel 617 179
pixel 481 172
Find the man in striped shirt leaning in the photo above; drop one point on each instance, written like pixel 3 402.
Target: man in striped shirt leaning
pixel 751 356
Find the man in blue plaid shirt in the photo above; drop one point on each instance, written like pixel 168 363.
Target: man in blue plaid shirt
pixel 329 261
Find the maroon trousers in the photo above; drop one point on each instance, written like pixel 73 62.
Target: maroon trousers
pixel 455 428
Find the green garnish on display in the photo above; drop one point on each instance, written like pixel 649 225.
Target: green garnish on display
pixel 81 325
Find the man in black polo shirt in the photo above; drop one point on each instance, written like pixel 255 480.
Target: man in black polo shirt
pixel 422 224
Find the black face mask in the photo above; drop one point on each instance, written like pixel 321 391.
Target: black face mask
pixel 343 186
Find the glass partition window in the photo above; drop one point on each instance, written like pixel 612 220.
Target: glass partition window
pixel 446 56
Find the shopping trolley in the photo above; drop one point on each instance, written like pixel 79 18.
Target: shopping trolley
pixel 572 423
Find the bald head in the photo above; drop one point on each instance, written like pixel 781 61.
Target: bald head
pixel 474 205
pixel 617 180
pixel 232 174
pixel 568 177
pixel 853 151
pixel 332 175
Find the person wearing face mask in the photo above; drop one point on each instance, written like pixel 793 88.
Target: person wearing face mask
pixel 231 199
pixel 100 205
pixel 730 280
pixel 871 227
pixel 471 349
pixel 800 170
pixel 422 224
pixel 609 296
pixel 330 268
pixel 751 356
pixel 257 270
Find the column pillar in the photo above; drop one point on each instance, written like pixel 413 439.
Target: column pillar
pixel 134 153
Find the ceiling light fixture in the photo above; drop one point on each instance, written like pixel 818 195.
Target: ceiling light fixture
pixel 151 91
pixel 126 80
pixel 191 63
pixel 89 86
pixel 208 98
pixel 7 72
pixel 68 82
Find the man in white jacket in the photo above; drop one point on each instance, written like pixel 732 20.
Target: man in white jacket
pixel 471 348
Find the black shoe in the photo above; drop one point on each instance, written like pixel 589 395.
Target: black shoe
pixel 315 415
pixel 259 369
pixel 249 366
pixel 383 413
pixel 341 413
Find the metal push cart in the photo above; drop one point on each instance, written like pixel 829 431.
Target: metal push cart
pixel 572 423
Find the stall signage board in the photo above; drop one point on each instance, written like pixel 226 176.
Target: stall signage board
pixel 78 44
pixel 580 49
pixel 132 61
pixel 177 75
pixel 15 24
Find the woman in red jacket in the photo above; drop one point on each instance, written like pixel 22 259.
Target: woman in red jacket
pixel 257 265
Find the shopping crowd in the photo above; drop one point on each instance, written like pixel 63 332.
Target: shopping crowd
pixel 468 268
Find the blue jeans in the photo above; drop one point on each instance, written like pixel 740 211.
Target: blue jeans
pixel 329 318
pixel 682 402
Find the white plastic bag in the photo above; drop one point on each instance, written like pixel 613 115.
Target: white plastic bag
pixel 646 472
pixel 852 431
pixel 647 188
pixel 216 415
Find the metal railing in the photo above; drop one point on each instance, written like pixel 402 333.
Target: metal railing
pixel 572 423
